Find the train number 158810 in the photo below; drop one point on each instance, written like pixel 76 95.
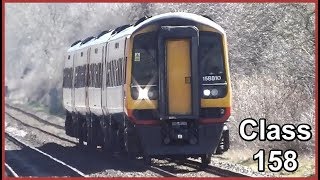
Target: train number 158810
pixel 211 78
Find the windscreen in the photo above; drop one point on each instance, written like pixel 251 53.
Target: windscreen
pixel 211 58
pixel 144 61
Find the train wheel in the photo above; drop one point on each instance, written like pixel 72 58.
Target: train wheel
pixel 109 136
pixel 120 140
pixel 81 133
pixel 128 145
pixel 91 130
pixel 68 124
pixel 205 160
pixel 106 140
pixel 80 141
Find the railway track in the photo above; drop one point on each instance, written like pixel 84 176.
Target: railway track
pixel 35 117
pixel 214 169
pixel 211 169
pixel 39 162
pixel 9 171
pixel 46 132
pixel 161 172
pixel 156 169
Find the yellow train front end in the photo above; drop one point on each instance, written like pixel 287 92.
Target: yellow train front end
pixel 178 89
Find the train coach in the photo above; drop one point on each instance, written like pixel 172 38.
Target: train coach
pixel 157 88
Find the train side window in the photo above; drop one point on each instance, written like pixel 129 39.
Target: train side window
pixel 81 76
pixel 92 75
pixel 108 74
pixel 95 75
pixel 64 78
pixel 78 74
pixel 86 75
pixel 84 78
pixel 68 56
pixel 89 75
pixel 116 72
pixel 99 75
pixel 76 78
pixel 69 78
pixel 86 68
pixel 85 81
pixel 96 50
pixel 112 74
pixel 120 70
pixel 116 45
pixel 125 71
pixel 122 75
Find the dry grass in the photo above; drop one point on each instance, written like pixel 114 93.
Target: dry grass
pixel 306 163
pixel 279 101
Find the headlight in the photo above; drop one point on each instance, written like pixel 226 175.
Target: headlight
pixel 134 93
pixel 144 93
pixel 214 92
pixel 152 94
pixel 206 92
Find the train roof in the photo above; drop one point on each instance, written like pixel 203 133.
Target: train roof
pixel 182 15
pixel 130 29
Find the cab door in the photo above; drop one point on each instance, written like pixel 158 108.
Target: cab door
pixel 178 76
pixel 178 72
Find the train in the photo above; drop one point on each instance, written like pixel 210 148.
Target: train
pixel 157 88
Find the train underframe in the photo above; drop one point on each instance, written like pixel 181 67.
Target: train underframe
pixel 169 139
